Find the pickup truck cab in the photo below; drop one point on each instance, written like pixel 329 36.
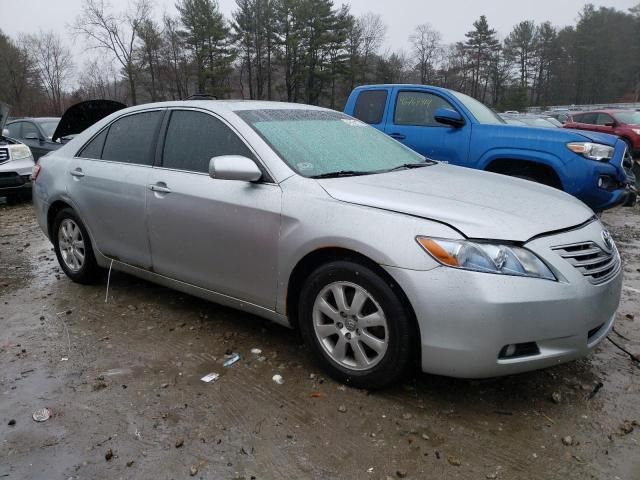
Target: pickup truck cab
pixel 451 127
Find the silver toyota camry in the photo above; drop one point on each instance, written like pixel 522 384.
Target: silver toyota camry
pixel 317 221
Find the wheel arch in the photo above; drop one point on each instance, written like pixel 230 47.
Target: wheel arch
pixel 321 256
pixel 542 171
pixel 53 210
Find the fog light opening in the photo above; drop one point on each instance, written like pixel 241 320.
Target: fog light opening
pixel 518 350
pixel 607 183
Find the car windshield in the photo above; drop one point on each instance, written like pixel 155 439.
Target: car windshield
pixel 48 127
pixel 480 111
pixel 318 142
pixel 630 117
pixel 538 122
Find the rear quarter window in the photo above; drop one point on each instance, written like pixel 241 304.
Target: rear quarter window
pixel 93 149
pixel 370 106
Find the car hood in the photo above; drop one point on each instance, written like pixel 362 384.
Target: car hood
pixel 596 137
pixel 478 204
pixel 82 115
pixel 4 114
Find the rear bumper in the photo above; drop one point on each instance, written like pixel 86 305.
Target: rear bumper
pixel 467 319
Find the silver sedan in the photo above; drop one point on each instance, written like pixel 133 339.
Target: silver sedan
pixel 317 221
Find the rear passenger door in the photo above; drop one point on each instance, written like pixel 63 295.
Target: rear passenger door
pixel 220 235
pixel 108 186
pixel 412 122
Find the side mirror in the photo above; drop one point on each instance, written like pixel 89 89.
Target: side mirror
pixel 234 167
pixel 5 132
pixel 610 124
pixel 446 116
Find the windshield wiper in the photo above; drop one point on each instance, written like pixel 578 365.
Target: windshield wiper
pixel 408 166
pixel 341 173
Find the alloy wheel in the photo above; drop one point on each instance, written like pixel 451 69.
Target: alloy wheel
pixel 71 244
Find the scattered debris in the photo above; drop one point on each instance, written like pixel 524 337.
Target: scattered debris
pixel 316 394
pixel 455 461
pixel 164 385
pixel 231 360
pixel 193 470
pixel 179 442
pixel 99 386
pixel 568 440
pixel 108 455
pixel 556 397
pixel 256 351
pixel 12 422
pixel 42 414
pixel 278 379
pixel 595 390
pixel 401 473
pixel 129 463
pixel 407 416
pixel 492 476
pixel 210 377
pixel 630 316
pixel 342 409
pixel 627 427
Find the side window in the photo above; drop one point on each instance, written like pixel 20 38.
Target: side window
pixel 419 108
pixel 603 119
pixel 370 106
pixel 93 149
pixel 131 138
pixel 14 130
pixel 589 118
pixel 29 130
pixel 193 138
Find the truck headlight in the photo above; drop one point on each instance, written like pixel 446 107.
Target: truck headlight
pixel 592 151
pixel 486 257
pixel 19 152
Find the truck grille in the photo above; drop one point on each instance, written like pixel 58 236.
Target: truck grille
pixel 4 155
pixel 591 260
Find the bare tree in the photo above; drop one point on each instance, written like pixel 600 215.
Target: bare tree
pixel 52 64
pixel 426 42
pixel 115 32
pixel 372 31
pixel 99 79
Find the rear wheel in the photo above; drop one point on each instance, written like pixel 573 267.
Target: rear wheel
pixel 355 325
pixel 73 247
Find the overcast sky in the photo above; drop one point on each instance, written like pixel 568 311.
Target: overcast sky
pixel 452 18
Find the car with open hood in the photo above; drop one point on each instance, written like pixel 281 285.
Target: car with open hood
pixel 45 134
pixel 317 221
pixel 16 162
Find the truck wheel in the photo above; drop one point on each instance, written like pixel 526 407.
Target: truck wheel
pixel 355 325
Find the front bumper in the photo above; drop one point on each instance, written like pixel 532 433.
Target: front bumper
pixel 15 176
pixel 467 319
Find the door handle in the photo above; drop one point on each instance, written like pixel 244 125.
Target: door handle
pixel 159 188
pixel 397 136
pixel 77 173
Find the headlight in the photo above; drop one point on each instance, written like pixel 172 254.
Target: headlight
pixel 486 257
pixel 592 151
pixel 19 152
pixel 636 131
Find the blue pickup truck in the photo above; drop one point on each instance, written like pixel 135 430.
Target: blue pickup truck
pixel 452 127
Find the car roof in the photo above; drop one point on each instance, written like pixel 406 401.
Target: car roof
pixel 229 105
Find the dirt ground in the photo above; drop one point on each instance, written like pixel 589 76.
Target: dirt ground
pixel 124 377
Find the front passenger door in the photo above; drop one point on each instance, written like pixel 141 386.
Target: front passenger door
pixel 221 235
pixel 413 124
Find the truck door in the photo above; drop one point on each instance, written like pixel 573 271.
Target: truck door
pixel 411 120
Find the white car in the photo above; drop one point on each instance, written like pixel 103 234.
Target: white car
pixel 16 162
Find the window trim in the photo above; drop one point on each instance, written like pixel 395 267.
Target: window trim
pixel 395 109
pixel 267 177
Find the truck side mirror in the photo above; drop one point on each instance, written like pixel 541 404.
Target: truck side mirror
pixel 446 116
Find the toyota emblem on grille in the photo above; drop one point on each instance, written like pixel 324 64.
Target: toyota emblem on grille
pixel 608 242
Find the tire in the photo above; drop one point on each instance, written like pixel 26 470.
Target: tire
pixel 70 241
pixel 386 345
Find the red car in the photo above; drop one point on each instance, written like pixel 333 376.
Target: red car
pixel 623 123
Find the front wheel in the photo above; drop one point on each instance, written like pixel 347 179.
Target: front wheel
pixel 355 324
pixel 73 247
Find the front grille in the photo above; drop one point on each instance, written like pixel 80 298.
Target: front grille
pixel 4 155
pixel 591 260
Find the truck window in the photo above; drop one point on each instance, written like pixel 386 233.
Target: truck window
pixel 419 108
pixel 370 106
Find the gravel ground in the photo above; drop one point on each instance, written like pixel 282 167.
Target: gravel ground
pixel 122 381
